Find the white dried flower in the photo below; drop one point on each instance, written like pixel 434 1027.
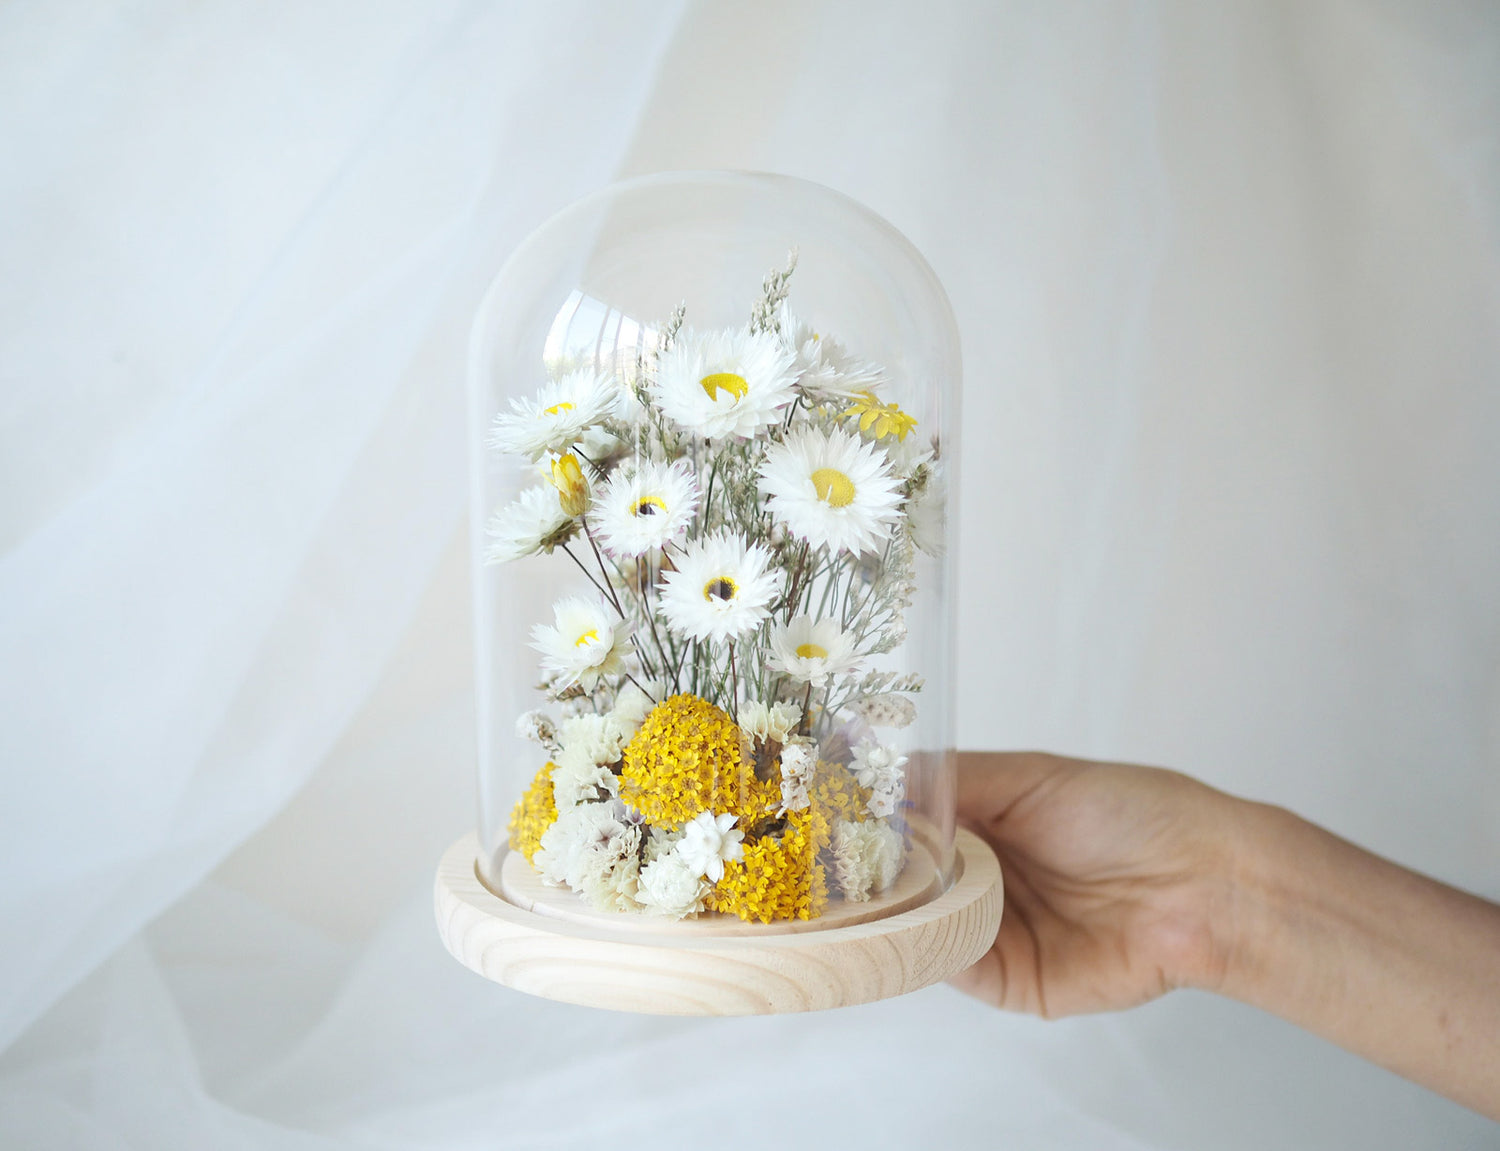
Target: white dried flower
pixel 669 886
pixel 812 651
pixel 724 384
pixel 766 724
pixel 867 857
pixel 825 370
pixel 721 587
pixel 588 642
pixel 659 842
pixel 927 511
pixel 593 848
pixel 590 745
pixel 708 842
pixel 799 763
pixel 537 727
pixel 880 767
pixel 885 710
pixel 577 779
pixel 633 705
pixel 558 417
pixel 533 522
pixel 831 488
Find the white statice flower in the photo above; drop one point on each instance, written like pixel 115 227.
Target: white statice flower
pixel 586 643
pixel 557 417
pixel 590 746
pixel 881 768
pixel 825 370
pixel 669 886
pixel 885 710
pixel 594 849
pixel 812 652
pixel 644 507
pixel 867 857
pixel 722 588
pixel 537 727
pixel 708 842
pixel 830 487
pixel 799 763
pixel 533 522
pixel 717 385
pixel 773 723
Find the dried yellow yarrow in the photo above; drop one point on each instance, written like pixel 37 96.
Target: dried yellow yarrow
pixel 534 813
pixel 835 794
pixel 778 878
pixel 685 759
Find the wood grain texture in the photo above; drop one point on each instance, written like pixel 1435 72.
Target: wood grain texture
pixel 670 972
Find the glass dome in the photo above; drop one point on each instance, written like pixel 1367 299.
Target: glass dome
pixel 712 417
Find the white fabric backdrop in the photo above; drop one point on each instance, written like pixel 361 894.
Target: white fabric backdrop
pixel 1228 279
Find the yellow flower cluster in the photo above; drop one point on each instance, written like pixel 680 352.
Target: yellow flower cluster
pixel 534 813
pixel 779 877
pixel 686 759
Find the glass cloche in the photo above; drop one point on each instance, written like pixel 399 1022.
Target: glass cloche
pixel 714 423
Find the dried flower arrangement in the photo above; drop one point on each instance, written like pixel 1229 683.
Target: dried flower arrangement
pixel 747 508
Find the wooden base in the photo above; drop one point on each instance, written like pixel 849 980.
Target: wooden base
pixel 557 948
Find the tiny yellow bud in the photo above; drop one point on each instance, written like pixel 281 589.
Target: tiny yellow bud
pixel 572 488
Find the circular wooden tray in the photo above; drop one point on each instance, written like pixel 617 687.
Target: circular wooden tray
pixel 546 942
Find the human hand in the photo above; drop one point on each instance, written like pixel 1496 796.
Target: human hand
pixel 1117 881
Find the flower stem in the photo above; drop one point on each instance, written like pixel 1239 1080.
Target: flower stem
pixel 734 690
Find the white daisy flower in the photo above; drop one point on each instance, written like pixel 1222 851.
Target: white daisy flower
pixel 825 371
pixel 646 508
pixel 668 886
pixel 831 488
pixel 708 842
pixel 586 643
pixel 720 589
pixel 812 652
pixel 721 384
pixel 533 522
pixel 558 417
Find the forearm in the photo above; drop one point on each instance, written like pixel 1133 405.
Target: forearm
pixel 1390 965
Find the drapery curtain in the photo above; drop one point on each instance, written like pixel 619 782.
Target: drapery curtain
pixel 1228 280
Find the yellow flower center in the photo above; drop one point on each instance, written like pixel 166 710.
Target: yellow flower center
pixel 564 406
pixel 648 506
pixel 811 651
pixel 721 587
pixel 585 637
pixel 834 488
pixel 724 382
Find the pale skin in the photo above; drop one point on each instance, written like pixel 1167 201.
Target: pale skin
pixel 1123 883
